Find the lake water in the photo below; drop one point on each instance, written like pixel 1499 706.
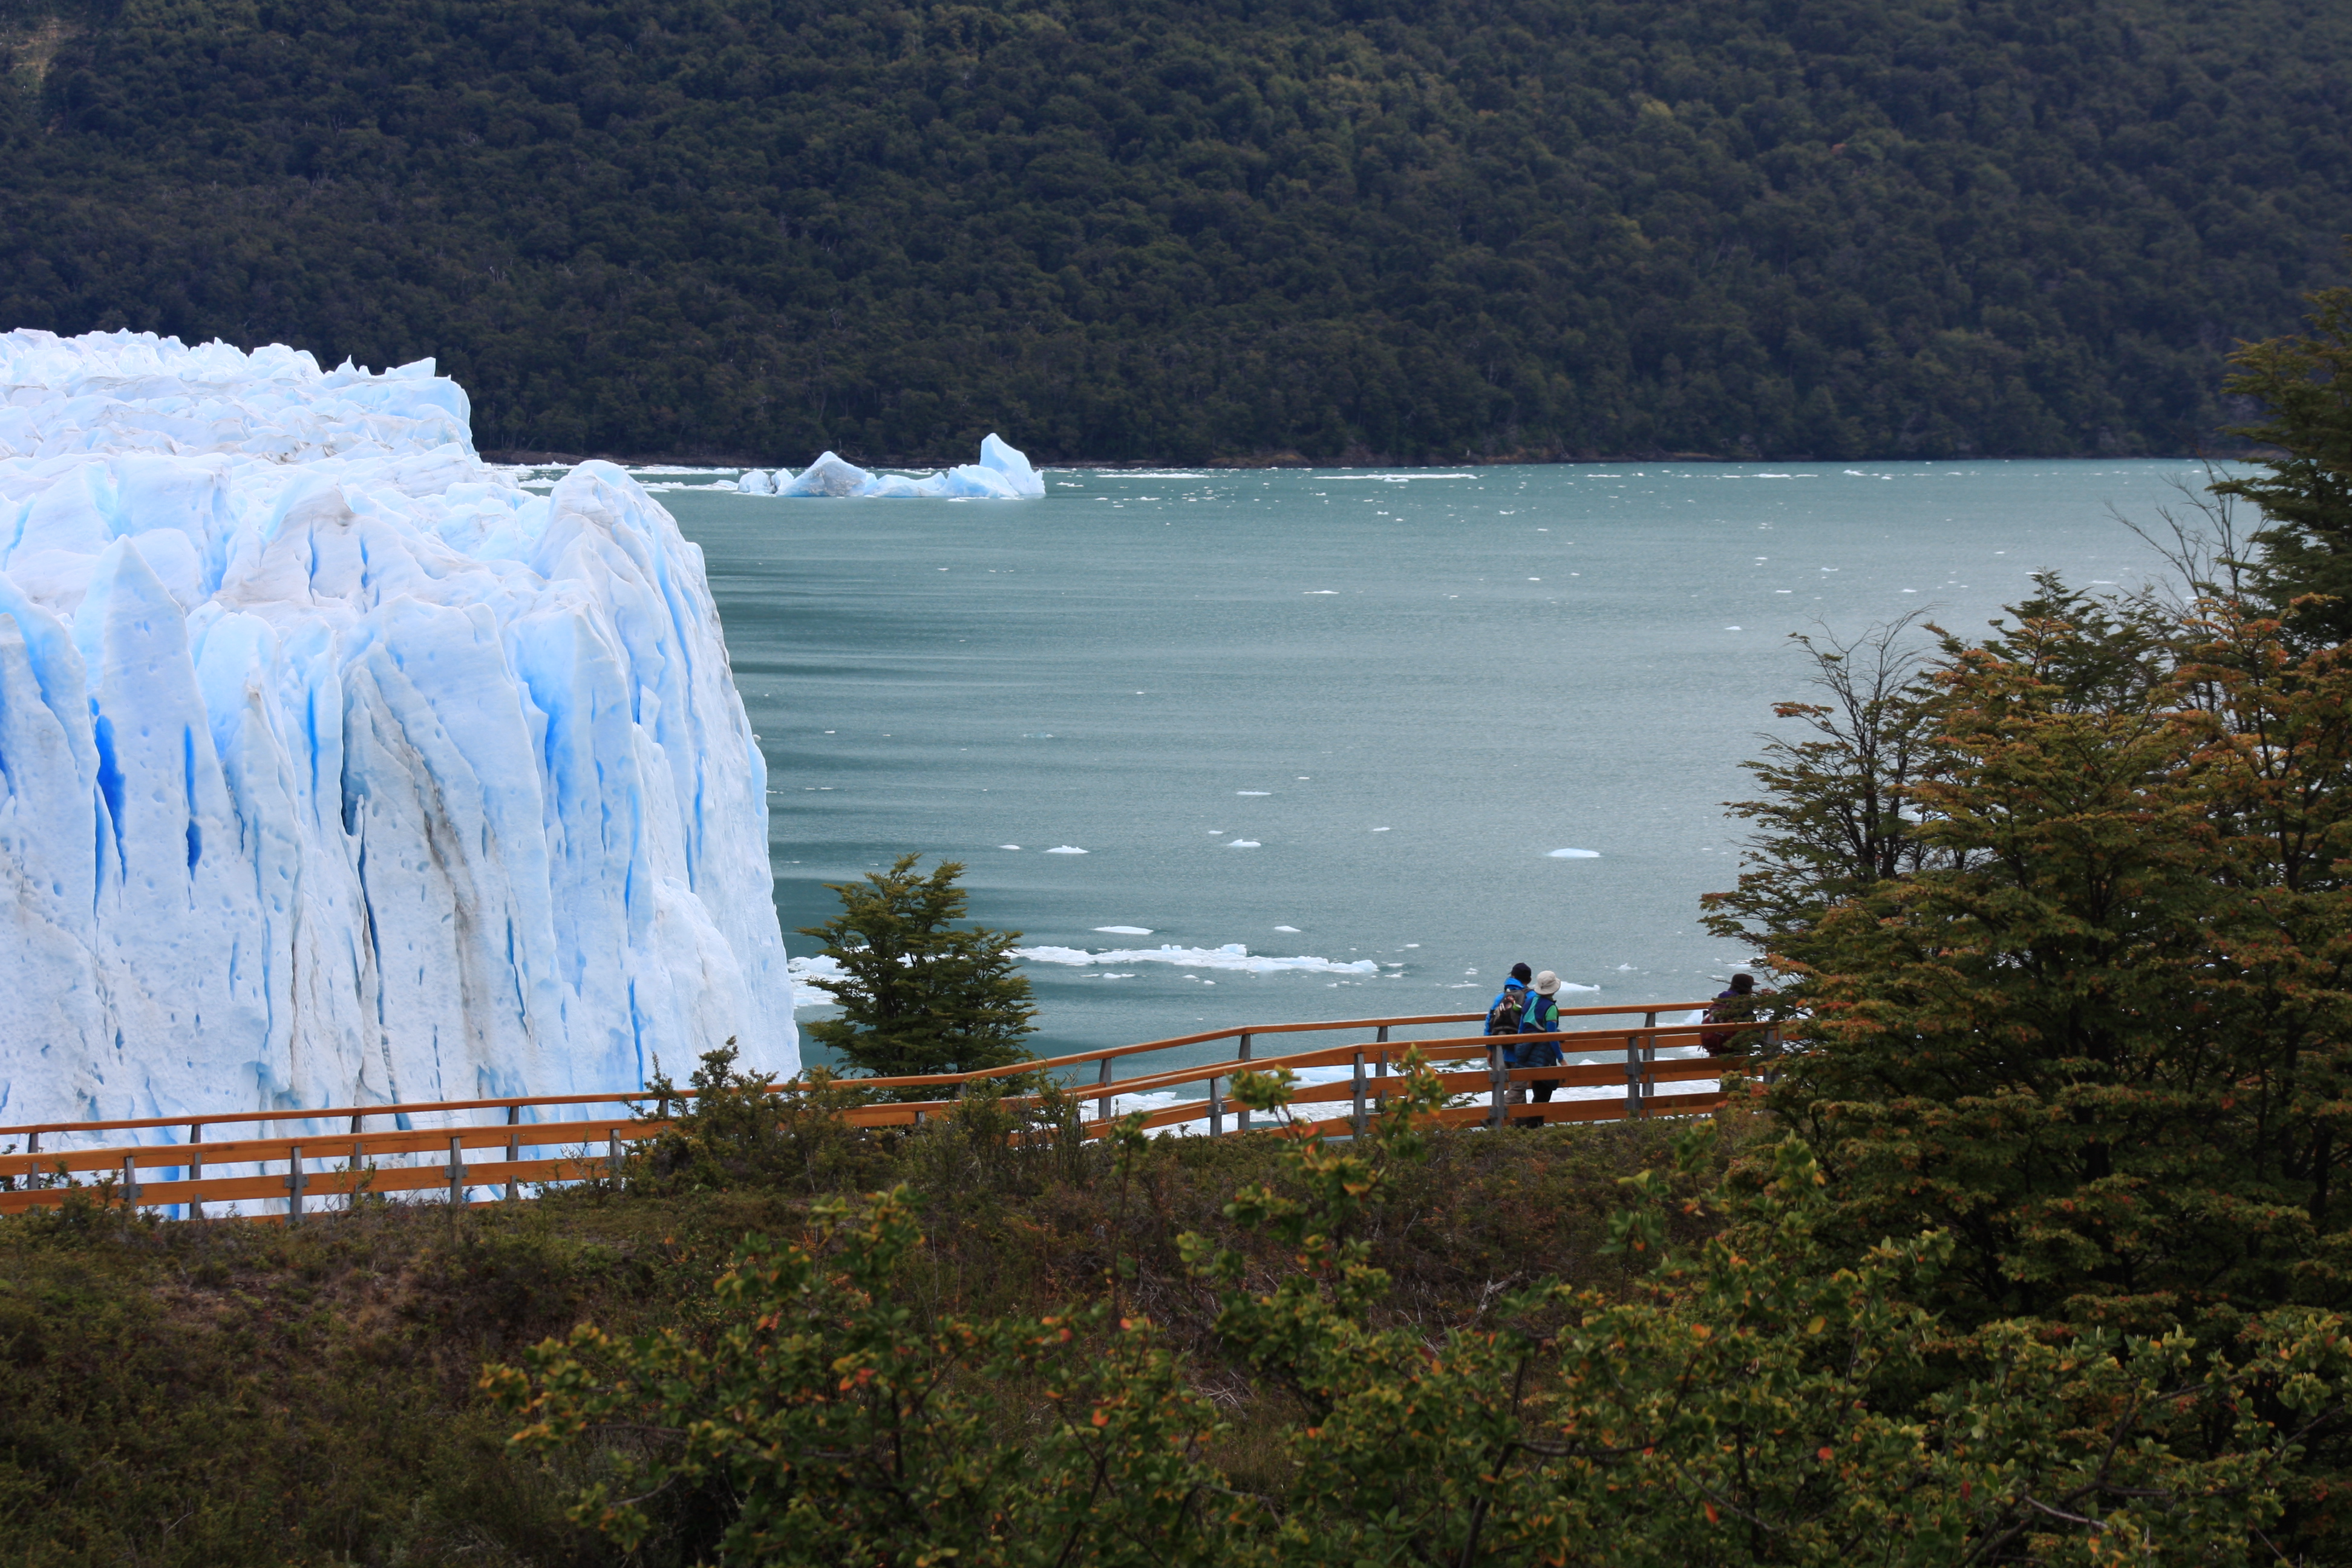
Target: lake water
pixel 1341 715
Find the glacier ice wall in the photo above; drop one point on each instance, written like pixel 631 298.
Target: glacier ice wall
pixel 335 768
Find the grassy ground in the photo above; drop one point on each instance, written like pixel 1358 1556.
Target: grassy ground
pixel 233 1393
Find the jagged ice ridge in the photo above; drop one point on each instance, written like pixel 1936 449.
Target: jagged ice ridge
pixel 336 768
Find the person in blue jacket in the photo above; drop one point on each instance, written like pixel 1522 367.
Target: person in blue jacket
pixel 1539 1016
pixel 1503 1014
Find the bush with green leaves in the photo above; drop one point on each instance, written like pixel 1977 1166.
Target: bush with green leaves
pixel 732 1129
pixel 1754 1400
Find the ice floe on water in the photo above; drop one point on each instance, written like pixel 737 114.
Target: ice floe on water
pixel 337 768
pixel 1244 843
pixel 1066 849
pixel 1124 930
pixel 1232 955
pixel 1575 854
pixel 815 980
pixel 1002 473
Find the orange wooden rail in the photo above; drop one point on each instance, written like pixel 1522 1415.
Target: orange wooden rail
pixel 319 1166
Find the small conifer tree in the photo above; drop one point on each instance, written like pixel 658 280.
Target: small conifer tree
pixel 920 994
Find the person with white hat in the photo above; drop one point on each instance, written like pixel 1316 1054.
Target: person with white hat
pixel 1540 1017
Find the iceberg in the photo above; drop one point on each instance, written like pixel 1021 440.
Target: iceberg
pixel 1002 473
pixel 335 768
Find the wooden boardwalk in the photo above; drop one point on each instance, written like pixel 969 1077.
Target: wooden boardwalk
pixel 315 1160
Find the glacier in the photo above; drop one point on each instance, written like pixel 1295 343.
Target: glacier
pixel 1002 473
pixel 335 768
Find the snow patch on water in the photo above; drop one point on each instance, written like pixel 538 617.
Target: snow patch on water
pixel 1232 955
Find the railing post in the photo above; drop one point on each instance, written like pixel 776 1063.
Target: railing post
pixel 33 1146
pixel 130 1187
pixel 1102 1105
pixel 1357 1076
pixel 456 1175
pixel 294 1186
pixel 612 1154
pixel 1242 1113
pixel 196 1166
pixel 1649 1054
pixel 1382 1038
pixel 1496 1088
pixel 514 1153
pixel 1216 1112
pixel 1633 1077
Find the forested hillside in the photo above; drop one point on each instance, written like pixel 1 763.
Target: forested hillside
pixel 1187 229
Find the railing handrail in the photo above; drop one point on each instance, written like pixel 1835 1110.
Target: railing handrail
pixel 231 1170
pixel 1014 1069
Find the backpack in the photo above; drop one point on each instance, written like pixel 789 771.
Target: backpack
pixel 1504 1018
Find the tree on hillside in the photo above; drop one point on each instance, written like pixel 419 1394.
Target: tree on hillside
pixel 2100 1034
pixel 921 996
pixel 1837 812
pixel 2305 384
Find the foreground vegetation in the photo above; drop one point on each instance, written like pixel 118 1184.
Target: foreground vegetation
pixel 1179 230
pixel 231 1393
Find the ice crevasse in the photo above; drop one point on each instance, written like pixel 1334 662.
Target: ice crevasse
pixel 335 768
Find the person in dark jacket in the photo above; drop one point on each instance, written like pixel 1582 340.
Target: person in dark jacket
pixel 1540 1017
pixel 1730 1007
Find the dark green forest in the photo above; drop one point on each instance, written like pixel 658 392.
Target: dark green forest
pixel 1194 229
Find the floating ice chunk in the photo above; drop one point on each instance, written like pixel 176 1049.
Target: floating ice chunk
pixel 1232 955
pixel 1001 474
pixel 830 475
pixel 815 980
pixel 1244 843
pixel 1321 592
pixel 1292 930
pixel 1066 849
pixel 1575 854
pixel 1124 930
pixel 1383 830
pixel 1008 847
pixel 1252 792
pixel 753 482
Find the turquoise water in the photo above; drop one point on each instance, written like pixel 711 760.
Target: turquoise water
pixel 1364 705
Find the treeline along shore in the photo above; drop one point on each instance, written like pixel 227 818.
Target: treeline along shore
pixel 1159 230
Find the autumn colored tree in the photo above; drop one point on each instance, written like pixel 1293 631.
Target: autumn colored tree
pixel 2303 384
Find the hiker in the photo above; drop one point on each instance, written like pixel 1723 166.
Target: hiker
pixel 1540 1017
pixel 1734 1005
pixel 1502 1012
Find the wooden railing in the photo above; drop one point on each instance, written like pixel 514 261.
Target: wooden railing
pixel 317 1165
